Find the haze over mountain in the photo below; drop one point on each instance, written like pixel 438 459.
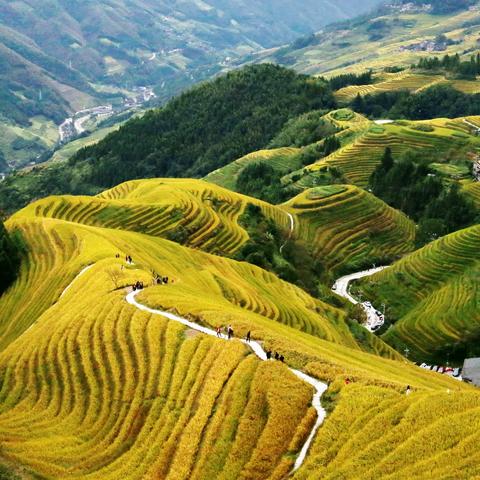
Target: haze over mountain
pixel 395 33
pixel 60 56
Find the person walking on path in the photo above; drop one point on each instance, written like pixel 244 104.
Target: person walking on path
pixel 229 332
pixel 248 338
pixel 219 331
pixel 277 356
pixel 269 354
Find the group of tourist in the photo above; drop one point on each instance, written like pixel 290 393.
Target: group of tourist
pixel 128 258
pixel 228 331
pixel 159 279
pixel 274 356
pixel 138 285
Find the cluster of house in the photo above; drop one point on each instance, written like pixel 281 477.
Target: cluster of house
pixel 73 126
pixel 476 170
pixel 471 371
pixel 411 7
pixel 142 95
pixel 425 46
pixel 452 372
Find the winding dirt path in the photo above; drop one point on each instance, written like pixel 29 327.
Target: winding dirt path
pixel 341 288
pixel 292 227
pixel 319 387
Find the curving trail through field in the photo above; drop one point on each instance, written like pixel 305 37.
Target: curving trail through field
pixel 340 287
pixel 88 267
pixel 292 227
pixel 320 388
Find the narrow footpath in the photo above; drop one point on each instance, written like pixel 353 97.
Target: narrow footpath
pixel 320 388
pixel 374 319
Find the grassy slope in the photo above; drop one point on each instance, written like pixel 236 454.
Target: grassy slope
pixel 40 136
pixel 433 293
pixel 472 189
pixel 338 48
pixel 94 386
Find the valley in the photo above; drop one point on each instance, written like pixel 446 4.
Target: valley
pixel 63 60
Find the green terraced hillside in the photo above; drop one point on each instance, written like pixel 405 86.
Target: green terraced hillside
pixel 433 295
pixel 362 152
pixel 349 228
pixel 283 160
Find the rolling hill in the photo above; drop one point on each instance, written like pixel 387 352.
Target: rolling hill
pixel 433 297
pixel 57 59
pixel 395 35
pixel 345 227
pixel 81 368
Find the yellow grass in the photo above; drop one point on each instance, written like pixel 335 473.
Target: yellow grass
pixel 96 389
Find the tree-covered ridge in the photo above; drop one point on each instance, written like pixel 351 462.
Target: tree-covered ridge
pixel 9 259
pixel 468 69
pixel 206 127
pixel 410 185
pixel 435 102
pixel 201 130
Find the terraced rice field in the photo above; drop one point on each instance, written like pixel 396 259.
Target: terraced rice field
pixel 376 434
pixel 434 293
pixel 472 189
pixel 104 391
pixel 357 160
pixel 350 228
pixel 406 80
pixel 92 388
pixel 283 160
pixel 206 215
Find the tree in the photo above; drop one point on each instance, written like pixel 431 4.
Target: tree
pixel 387 160
pixel 9 259
pixel 115 276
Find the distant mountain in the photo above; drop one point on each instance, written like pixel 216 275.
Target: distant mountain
pixel 199 131
pixel 395 34
pixel 57 57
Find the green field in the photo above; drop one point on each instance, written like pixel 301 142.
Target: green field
pixel 432 295
pixel 361 152
pixel 283 160
pixel 350 228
